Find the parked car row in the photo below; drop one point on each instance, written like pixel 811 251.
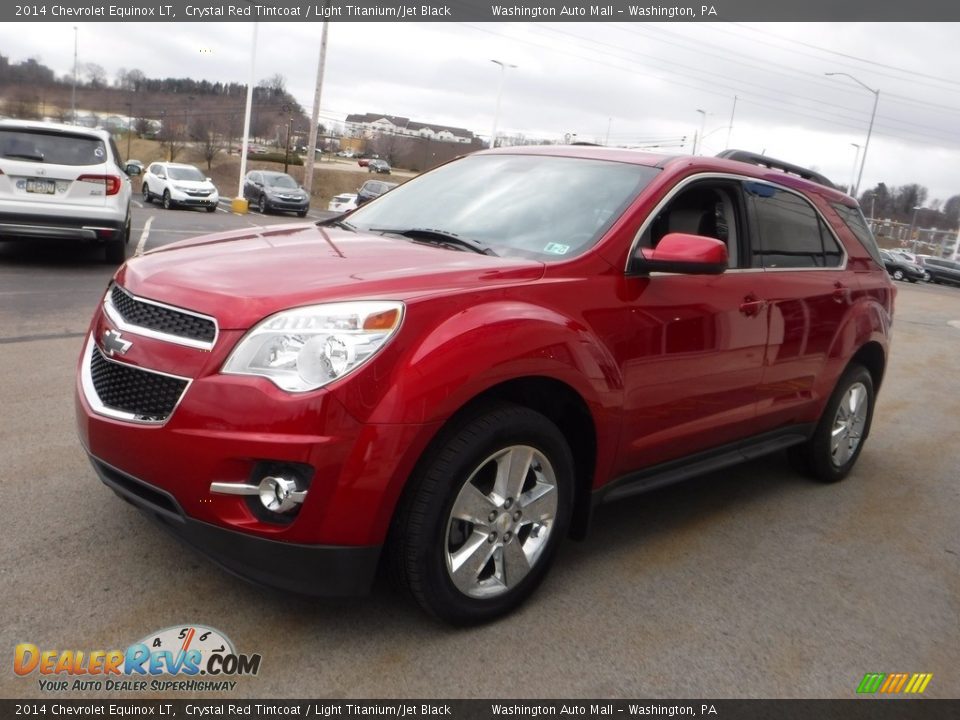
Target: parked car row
pixel 904 265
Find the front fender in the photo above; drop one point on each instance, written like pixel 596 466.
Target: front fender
pixel 435 368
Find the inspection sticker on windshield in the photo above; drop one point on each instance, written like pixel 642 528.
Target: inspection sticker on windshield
pixel 557 249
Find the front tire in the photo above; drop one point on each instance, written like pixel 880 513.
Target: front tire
pixel 167 202
pixel 832 451
pixel 262 205
pixel 484 515
pixel 147 197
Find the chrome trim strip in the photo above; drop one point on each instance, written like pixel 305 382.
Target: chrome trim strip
pixel 93 399
pixel 738 178
pixel 114 314
pixel 226 488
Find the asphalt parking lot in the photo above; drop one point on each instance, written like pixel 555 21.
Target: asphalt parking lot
pixel 753 582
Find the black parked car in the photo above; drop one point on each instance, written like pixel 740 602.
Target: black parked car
pixel 942 270
pixel 899 268
pixel 379 166
pixel 372 189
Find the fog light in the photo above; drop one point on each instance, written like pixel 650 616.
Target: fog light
pixel 279 494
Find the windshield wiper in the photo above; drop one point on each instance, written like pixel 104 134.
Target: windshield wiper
pixel 25 156
pixel 441 237
pixel 337 221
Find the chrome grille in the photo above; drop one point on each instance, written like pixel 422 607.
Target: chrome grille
pixel 161 318
pixel 132 392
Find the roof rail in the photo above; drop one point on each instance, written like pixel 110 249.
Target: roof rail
pixel 769 162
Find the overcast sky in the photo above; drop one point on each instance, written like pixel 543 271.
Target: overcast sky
pixel 641 82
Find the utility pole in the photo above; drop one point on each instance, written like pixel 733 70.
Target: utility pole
pixel 730 127
pixel 129 127
pixel 286 145
pixel 315 117
pixel 73 94
pixel 496 114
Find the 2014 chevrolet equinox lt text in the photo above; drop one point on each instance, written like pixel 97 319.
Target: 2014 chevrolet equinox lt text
pixel 447 380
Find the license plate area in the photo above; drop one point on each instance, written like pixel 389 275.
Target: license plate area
pixel 42 187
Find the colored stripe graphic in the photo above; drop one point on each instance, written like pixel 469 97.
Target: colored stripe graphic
pixel 893 683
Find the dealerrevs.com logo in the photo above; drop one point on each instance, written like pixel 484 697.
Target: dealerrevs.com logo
pixel 191 658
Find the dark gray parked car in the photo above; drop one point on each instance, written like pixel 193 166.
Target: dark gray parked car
pixel 372 189
pixel 942 270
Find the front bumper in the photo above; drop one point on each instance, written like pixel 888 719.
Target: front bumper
pixel 319 570
pixel 188 200
pixel 274 203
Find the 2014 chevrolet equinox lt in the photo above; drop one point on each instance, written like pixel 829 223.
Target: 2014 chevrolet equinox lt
pixel 448 379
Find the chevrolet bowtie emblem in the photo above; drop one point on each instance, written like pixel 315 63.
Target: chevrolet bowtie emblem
pixel 114 343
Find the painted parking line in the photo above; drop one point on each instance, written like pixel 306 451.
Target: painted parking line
pixel 144 235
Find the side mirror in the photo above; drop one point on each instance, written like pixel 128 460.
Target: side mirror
pixel 132 170
pixel 162 176
pixel 209 180
pixel 681 253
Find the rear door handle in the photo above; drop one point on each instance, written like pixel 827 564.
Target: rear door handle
pixel 840 292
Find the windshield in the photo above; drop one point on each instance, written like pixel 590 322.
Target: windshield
pixel 281 181
pixel 546 208
pixel 186 173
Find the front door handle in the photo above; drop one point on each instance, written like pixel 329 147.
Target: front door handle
pixel 752 305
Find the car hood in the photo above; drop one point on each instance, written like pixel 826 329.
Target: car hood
pixel 193 184
pixel 241 277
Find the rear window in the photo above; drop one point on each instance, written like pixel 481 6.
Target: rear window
pixel 52 149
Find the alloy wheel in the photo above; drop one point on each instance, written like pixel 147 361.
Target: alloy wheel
pixel 849 423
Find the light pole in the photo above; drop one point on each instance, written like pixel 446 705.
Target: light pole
pixel 73 93
pixel 703 122
pixel 853 172
pixel 730 126
pixel 873 115
pixel 913 222
pixel 496 115
pixel 129 127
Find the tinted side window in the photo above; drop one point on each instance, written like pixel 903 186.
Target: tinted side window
pixel 791 233
pixel 853 219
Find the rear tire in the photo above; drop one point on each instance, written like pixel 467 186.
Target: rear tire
pixel 898 274
pixel 115 252
pixel 830 454
pixel 483 515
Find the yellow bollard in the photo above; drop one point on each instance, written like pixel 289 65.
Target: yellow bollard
pixel 240 206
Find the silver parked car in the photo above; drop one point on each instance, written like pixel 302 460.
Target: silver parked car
pixel 64 182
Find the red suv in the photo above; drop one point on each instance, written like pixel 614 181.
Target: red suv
pixel 447 380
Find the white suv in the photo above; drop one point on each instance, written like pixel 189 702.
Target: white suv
pixel 63 182
pixel 175 184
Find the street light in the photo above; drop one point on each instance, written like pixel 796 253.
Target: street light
pixel 853 172
pixel 873 115
pixel 913 222
pixel 496 115
pixel 703 122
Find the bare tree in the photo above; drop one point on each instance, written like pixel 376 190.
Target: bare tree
pixel 95 74
pixel 173 138
pixel 206 131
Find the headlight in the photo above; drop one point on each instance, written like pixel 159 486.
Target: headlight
pixel 306 348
